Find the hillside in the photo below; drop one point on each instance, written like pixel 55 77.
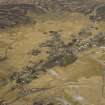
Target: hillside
pixel 52 52
pixel 13 13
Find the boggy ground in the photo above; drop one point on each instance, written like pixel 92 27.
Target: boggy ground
pixel 80 83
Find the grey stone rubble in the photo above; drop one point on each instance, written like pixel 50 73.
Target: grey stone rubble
pixel 35 52
pixel 99 13
pixel 59 54
pixel 11 16
pixel 48 101
pixel 69 5
pixel 97 40
pixel 3 102
pixel 15 12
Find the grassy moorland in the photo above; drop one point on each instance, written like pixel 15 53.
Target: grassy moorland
pixel 54 79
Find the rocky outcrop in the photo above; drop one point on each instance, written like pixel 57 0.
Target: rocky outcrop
pixel 14 12
pixel 59 54
pixel 12 15
pixel 78 5
pixel 99 13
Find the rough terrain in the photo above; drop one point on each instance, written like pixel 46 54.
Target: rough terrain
pixel 50 57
